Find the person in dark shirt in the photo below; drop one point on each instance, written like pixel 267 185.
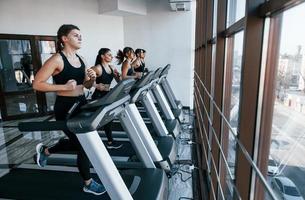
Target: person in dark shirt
pixel 125 58
pixel 139 63
pixel 70 76
pixel 105 73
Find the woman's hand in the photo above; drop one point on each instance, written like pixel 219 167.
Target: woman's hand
pixel 91 74
pixel 71 84
pixel 116 73
pixel 138 75
pixel 102 87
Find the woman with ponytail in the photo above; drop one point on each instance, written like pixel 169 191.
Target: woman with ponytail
pixel 139 64
pixel 70 76
pixel 125 58
pixel 105 73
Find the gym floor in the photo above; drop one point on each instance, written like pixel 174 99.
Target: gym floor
pixel 17 149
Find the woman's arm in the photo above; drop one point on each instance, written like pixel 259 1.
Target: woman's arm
pixel 52 66
pixel 116 73
pixel 125 67
pixel 99 71
pixel 90 76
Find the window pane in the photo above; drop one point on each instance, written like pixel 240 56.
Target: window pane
pixel 236 11
pixel 19 104
pixel 235 94
pixel 234 52
pixel 288 127
pixel 16 67
pixel 236 73
pixel 46 50
pixel 16 76
pixel 215 18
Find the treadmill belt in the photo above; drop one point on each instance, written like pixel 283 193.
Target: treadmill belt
pixel 125 150
pixel 41 184
pixel 47 184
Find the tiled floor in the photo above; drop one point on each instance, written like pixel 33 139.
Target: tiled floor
pixel 19 147
pixel 181 183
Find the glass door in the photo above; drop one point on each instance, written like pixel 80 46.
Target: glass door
pixel 16 75
pixel 21 56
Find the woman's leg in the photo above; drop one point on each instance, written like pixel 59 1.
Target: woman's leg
pixel 111 144
pixel 108 132
pixel 61 109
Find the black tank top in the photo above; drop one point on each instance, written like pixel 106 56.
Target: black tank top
pixel 130 71
pixel 105 78
pixel 69 72
pixel 140 68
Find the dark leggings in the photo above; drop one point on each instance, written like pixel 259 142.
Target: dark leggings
pixel 107 128
pixel 108 131
pixel 61 108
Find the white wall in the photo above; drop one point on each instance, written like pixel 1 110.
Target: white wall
pixel 44 18
pixel 168 37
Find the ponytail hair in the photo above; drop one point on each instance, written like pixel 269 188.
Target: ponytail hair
pixel 63 30
pixel 122 54
pixel 102 51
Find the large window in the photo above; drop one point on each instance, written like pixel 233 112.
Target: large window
pixel 287 147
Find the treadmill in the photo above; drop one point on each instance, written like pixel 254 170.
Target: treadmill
pixel 165 109
pixel 171 124
pixel 124 157
pixel 165 142
pixel 127 184
pixel 175 105
pixel 141 96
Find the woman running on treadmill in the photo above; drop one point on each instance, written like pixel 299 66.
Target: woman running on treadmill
pixel 139 64
pixel 70 76
pixel 125 58
pixel 105 73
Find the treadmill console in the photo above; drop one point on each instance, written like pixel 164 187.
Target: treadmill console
pixel 121 90
pixel 165 70
pixel 157 73
pixel 143 81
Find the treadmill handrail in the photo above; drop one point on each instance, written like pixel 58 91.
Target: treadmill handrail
pixel 43 126
pixel 139 92
pixel 143 81
pixel 165 70
pixel 157 73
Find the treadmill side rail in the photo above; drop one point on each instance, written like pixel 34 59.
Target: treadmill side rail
pixel 104 166
pixel 167 112
pixel 135 139
pixel 169 93
pixel 154 115
pixel 145 135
